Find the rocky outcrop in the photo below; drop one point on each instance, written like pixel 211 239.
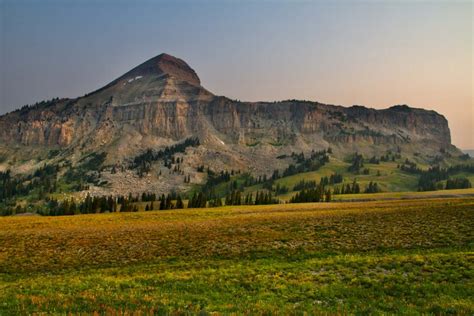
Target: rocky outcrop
pixel 161 101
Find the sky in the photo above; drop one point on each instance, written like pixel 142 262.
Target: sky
pixel 372 53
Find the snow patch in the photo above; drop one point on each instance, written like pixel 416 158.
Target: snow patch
pixel 136 78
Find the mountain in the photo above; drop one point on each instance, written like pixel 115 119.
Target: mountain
pixel 161 103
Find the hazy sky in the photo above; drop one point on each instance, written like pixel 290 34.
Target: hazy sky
pixel 372 53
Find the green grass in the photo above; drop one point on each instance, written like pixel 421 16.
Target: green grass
pixel 328 169
pixel 467 175
pixel 404 195
pixel 393 257
pixel 391 179
pixel 395 195
pixel 313 284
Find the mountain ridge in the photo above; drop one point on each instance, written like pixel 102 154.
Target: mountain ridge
pixel 161 102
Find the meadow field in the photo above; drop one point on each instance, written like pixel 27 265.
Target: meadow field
pixel 404 256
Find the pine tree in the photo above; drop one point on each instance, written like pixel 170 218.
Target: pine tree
pixel 179 203
pixel 328 196
pixel 192 202
pixel 163 202
pixel 237 198
pixel 228 199
pixel 73 207
pixel 65 208
pixel 169 204
pixel 356 188
pixel 257 198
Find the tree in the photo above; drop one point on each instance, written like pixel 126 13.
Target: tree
pixel 162 202
pixel 179 203
pixel 458 183
pixel 168 204
pixel 309 195
pixel 328 196
pixel 372 188
pixel 357 163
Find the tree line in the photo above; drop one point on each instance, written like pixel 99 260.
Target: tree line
pixel 318 194
pixel 431 179
pixel 142 163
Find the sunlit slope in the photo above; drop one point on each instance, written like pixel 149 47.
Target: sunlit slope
pixel 386 174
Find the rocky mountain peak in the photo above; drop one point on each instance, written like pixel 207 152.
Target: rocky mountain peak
pixel 161 102
pixel 165 64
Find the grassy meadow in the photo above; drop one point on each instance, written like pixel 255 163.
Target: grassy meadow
pixel 386 174
pixel 404 256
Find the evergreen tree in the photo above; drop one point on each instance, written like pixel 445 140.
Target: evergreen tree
pixel 458 183
pixel 328 197
pixel 179 203
pixel 163 202
pixel 168 204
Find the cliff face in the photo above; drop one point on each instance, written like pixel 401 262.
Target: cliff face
pixel 162 101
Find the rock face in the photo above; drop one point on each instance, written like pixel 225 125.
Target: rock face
pixel 161 102
pixel 165 64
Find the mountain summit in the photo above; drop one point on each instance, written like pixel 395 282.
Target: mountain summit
pixel 161 103
pixel 163 78
pixel 165 64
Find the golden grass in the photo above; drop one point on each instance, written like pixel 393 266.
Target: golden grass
pixel 379 257
pixel 51 243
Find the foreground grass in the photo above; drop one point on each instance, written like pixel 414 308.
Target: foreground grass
pixel 404 256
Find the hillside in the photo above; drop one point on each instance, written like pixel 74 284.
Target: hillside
pixel 107 142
